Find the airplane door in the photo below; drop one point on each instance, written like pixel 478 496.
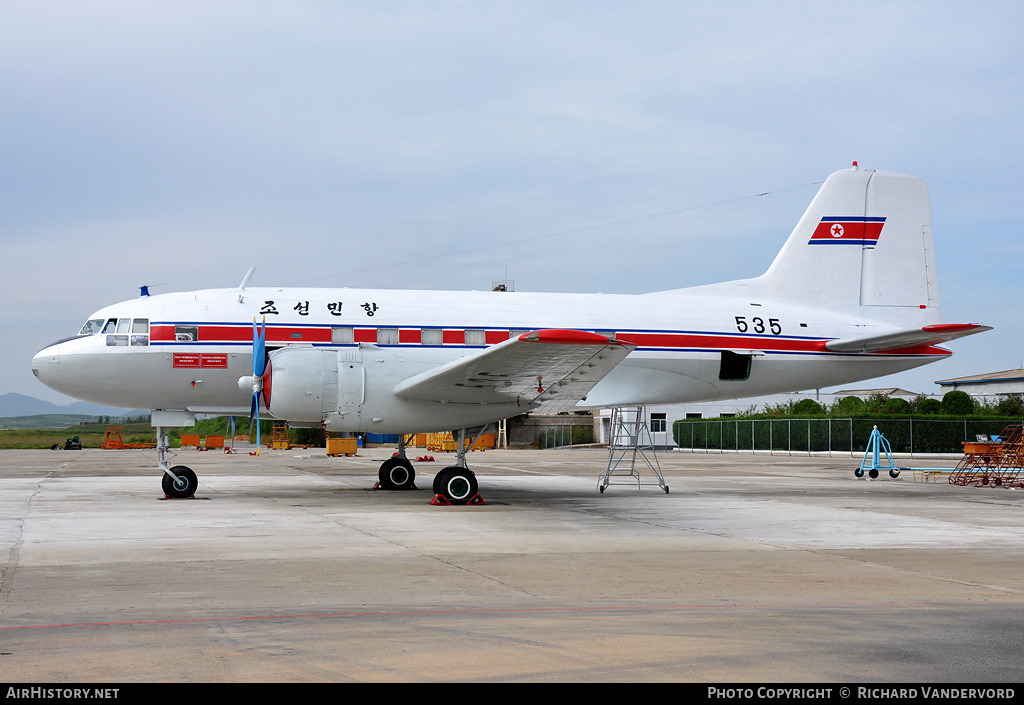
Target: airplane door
pixel 351 382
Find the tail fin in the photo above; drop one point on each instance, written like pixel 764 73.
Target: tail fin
pixel 865 240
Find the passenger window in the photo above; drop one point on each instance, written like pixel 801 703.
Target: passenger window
pixel 188 334
pixel 342 336
pixel 475 337
pixel 387 336
pixel 431 336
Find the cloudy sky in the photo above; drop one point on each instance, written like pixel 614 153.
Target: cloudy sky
pixel 577 146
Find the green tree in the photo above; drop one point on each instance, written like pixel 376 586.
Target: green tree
pixel 875 403
pixel 848 406
pixel 1011 405
pixel 895 405
pixel 929 407
pixel 807 407
pixel 957 403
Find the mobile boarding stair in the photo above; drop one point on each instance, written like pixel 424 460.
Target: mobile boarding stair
pixel 629 439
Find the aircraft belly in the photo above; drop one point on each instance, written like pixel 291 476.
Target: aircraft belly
pixel 694 377
pixel 422 417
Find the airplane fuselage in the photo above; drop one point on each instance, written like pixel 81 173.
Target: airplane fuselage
pixel 188 350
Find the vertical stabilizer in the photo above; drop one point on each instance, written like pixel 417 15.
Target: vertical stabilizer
pixel 865 240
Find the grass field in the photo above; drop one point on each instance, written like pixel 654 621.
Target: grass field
pixel 92 434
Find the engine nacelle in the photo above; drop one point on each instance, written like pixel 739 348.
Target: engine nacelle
pixel 303 384
pixel 353 389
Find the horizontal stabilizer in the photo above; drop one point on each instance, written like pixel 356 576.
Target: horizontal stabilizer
pixel 550 369
pixel 913 337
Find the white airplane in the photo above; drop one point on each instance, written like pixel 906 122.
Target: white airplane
pixel 852 295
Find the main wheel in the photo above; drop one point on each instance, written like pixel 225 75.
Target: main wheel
pixel 457 485
pixel 185 486
pixel 396 474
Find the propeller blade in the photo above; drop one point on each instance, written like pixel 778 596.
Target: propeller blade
pixel 259 346
pixel 256 402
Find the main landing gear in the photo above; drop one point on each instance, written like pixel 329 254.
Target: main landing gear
pixel 457 483
pixel 396 473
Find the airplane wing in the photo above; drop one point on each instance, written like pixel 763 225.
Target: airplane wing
pixel 547 369
pixel 912 337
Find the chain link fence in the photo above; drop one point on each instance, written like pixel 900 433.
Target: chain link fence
pixel 830 435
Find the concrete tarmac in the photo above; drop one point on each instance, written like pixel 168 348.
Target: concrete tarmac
pixel 288 567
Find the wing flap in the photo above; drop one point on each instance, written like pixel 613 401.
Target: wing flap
pixel 911 337
pixel 552 369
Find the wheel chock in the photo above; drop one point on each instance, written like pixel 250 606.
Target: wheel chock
pixel 440 500
pixel 376 485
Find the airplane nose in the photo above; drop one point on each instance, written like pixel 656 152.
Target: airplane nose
pixel 45 362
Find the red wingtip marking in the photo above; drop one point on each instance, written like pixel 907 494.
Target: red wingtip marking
pixel 568 337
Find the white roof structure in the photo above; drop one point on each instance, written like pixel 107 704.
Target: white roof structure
pixel 1005 382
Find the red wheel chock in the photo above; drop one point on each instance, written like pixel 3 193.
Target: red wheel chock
pixel 440 500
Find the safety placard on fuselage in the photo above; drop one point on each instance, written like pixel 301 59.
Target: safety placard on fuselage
pixel 218 361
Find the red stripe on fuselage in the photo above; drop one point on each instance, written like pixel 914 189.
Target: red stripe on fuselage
pixel 242 334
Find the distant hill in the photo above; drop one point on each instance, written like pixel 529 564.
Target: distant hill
pixel 45 421
pixel 13 404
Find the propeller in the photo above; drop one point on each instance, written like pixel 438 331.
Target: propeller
pixel 259 382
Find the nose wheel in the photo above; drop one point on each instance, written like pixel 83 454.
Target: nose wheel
pixel 182 485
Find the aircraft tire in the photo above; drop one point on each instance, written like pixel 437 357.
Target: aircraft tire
pixel 458 485
pixel 185 475
pixel 438 479
pixel 396 474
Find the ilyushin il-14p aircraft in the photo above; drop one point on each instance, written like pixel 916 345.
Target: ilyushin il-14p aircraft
pixel 853 294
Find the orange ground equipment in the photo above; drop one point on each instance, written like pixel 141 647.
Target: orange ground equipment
pixel 996 463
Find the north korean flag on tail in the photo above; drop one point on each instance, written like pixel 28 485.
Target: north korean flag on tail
pixel 847 230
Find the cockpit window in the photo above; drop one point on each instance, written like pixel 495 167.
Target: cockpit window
pixel 111 325
pixel 140 325
pixel 124 325
pixel 92 327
